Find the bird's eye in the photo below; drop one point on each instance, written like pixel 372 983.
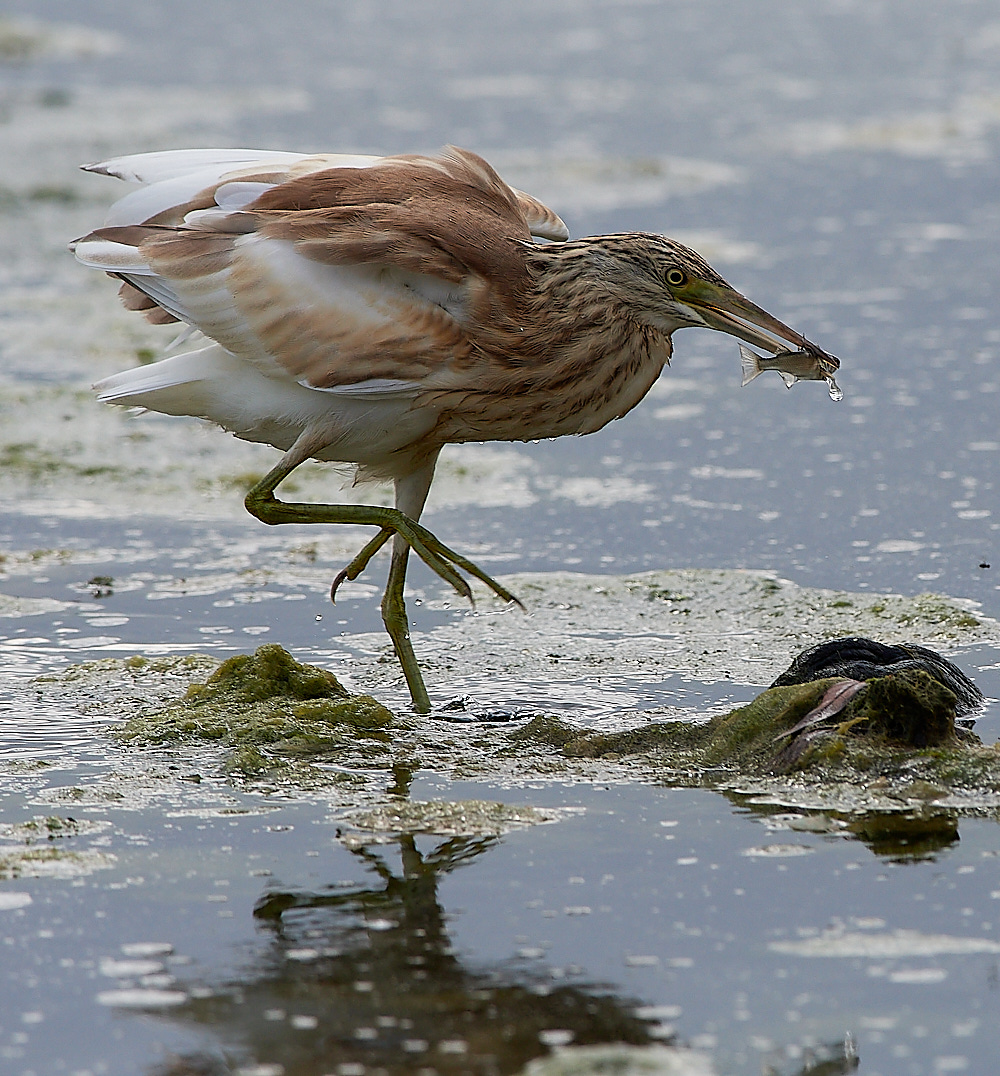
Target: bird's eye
pixel 676 277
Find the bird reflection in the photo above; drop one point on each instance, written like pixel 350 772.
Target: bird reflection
pixel 365 978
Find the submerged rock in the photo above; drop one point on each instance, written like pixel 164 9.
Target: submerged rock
pixel 900 726
pixel 858 658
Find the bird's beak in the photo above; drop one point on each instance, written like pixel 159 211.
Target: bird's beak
pixel 726 310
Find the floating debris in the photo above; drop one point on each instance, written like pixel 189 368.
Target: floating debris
pixel 465 817
pixel 49 861
pixel 895 945
pixel 142 998
pixel 622 1060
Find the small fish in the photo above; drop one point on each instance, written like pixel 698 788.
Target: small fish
pixel 792 366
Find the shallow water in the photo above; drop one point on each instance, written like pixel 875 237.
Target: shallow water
pixel 647 915
pixel 838 162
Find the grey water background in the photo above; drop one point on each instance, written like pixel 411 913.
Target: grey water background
pixel 837 162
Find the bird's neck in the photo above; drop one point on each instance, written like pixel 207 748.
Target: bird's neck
pixel 585 330
pixel 564 356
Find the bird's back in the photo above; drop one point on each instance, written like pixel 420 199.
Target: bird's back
pixel 380 301
pixel 331 270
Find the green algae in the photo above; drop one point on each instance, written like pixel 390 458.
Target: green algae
pixel 548 730
pixel 35 463
pixel 269 672
pixel 161 672
pixel 928 609
pixel 19 42
pixel 450 817
pixel 269 721
pixel 264 704
pixel 899 734
pixel 36 848
pixel 49 828
pixel 48 861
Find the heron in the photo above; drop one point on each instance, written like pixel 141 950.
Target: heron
pixel 370 310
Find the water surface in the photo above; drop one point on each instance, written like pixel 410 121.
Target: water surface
pixel 837 162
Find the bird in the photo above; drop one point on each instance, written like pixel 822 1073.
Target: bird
pixel 370 310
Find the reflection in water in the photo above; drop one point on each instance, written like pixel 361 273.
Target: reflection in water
pixel 910 837
pixel 362 979
pixel 832 1059
pixel 905 836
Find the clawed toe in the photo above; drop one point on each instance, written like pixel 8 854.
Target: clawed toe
pixel 360 562
pixel 340 578
pixel 435 554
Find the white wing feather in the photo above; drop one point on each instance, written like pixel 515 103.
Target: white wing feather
pixel 173 177
pixel 369 422
pixel 176 163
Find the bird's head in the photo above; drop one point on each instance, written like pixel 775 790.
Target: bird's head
pixel 669 286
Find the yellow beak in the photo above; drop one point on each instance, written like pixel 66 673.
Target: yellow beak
pixel 726 310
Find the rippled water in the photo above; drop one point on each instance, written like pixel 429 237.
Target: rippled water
pixel 837 162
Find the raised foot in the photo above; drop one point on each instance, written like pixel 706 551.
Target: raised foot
pixel 262 503
pixel 433 552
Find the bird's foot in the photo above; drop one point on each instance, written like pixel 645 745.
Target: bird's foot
pixel 433 552
pixel 359 563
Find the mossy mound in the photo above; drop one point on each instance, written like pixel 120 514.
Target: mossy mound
pixel 911 708
pixel 265 701
pixel 901 727
pixel 270 672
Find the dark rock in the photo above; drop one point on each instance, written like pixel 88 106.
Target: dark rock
pixel 857 658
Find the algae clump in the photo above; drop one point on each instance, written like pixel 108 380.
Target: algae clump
pixel 265 700
pixel 900 728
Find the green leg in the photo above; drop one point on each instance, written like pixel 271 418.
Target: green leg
pixel 262 503
pixel 398 627
pixel 392 522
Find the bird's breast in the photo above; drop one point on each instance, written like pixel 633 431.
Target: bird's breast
pixel 571 391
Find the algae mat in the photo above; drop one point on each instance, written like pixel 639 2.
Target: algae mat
pixel 708 627
pixel 741 626
pixel 738 626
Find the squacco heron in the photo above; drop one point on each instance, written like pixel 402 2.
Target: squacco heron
pixel 370 310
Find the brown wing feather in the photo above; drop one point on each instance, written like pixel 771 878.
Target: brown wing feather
pixel 187 255
pixel 450 217
pixel 318 344
pixel 357 235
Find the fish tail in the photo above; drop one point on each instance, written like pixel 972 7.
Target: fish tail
pixel 749 364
